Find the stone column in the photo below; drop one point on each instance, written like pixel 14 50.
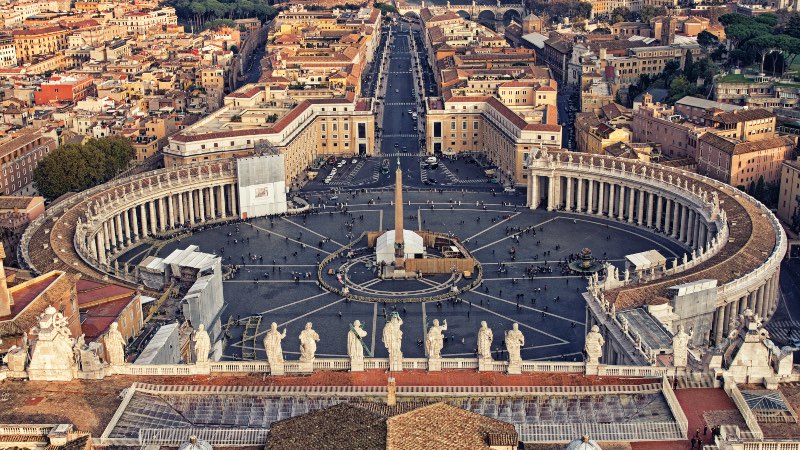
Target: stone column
pixel 92 244
pixel 622 194
pixel 153 228
pixel 127 221
pixel 134 223
pixel 221 200
pixel 162 214
pixel 640 217
pixel 631 204
pixel 579 206
pixel 675 225
pixel 534 182
pixel 143 216
pixel 551 191
pixel 171 207
pixel 234 200
pixel 726 321
pixel 212 203
pixel 191 197
pixel 118 226
pixel 230 199
pixel 201 197
pixel 101 248
pixel 684 223
pixel 181 213
pixel 698 231
pixel 720 323
pixel 590 197
pixel 111 231
pixel 568 202
pixel 610 200
pixel 600 197
pixel 659 210
pixel 529 190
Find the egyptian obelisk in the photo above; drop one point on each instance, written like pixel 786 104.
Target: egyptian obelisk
pixel 399 251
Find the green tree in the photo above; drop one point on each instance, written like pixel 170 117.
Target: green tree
pixel 74 168
pixel 648 12
pixel 688 67
pixel 706 39
pixel 758 191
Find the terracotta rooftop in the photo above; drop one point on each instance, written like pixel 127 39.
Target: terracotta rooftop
pixel 735 147
pixel 742 115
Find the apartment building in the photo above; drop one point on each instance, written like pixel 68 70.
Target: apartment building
pixel 35 42
pixel 19 155
pixel 64 89
pixel 138 22
pixel 789 195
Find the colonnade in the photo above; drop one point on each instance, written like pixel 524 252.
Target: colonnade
pixel 159 213
pixel 681 205
pixel 669 213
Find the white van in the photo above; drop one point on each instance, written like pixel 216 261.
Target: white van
pixel 430 160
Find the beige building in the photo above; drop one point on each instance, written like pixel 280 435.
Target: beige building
pixel 255 118
pixel 740 163
pixel 789 195
pixel 486 125
pixel 39 41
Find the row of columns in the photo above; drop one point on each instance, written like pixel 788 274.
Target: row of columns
pixel 762 301
pixel 161 214
pixel 627 203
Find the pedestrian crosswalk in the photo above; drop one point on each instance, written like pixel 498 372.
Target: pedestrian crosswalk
pixel 400 104
pixel 397 154
pixel 401 135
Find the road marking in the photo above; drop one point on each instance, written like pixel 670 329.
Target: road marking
pixel 269 281
pixel 487 229
pixel 293 303
pixel 308 313
pixel 522 324
pixel 510 236
pixel 290 239
pixel 525 307
pixel 523 277
pixel 624 231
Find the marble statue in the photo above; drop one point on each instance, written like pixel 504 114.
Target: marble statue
pixel 613 311
pixel 308 343
pixel 624 323
pixel 16 359
pixel 680 348
pixel 434 342
pixel 355 346
pixel 485 337
pixel 52 358
pixel 80 343
pixel 393 339
pixel 115 345
pixel 202 344
pixel 594 345
pixel 272 344
pixel 514 342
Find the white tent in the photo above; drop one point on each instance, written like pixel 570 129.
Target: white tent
pixel 412 246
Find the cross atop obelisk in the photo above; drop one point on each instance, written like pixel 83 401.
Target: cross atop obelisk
pixel 399 252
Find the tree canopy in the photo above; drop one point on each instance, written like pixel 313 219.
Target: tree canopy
pixel 76 167
pixel 762 39
pixel 559 9
pixel 198 12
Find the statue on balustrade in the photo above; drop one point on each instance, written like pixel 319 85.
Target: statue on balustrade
pixel 514 342
pixel 393 339
pixel 308 343
pixel 272 344
pixel 115 346
pixel 202 344
pixel 485 337
pixel 355 343
pixel 594 345
pixel 680 348
pixel 434 341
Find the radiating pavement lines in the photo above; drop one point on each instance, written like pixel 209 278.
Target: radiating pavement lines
pixel 525 307
pixel 520 324
pixel 312 231
pixel 290 239
pixel 532 347
pixel 491 227
pixel 624 230
pixel 510 236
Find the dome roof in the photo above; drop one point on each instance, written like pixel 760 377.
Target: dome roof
pixel 584 443
pixel 195 444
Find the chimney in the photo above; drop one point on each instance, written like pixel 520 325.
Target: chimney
pixel 391 395
pixel 5 297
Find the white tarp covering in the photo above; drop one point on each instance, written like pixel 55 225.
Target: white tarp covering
pixel 412 246
pixel 646 260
